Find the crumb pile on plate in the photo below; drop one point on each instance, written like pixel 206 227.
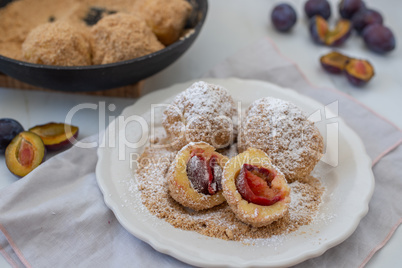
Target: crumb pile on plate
pixel 220 221
pixel 55 32
pixel 260 202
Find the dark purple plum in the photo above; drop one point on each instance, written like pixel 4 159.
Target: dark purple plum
pixel 9 128
pixel 283 17
pixel 317 7
pixel 366 17
pixel 347 8
pixel 379 38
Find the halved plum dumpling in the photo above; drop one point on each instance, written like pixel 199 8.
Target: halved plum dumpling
pixel 56 136
pixel 194 178
pixel 256 191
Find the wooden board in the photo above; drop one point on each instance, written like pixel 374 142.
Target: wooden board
pixel 130 91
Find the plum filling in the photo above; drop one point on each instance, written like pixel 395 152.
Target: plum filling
pixel 205 175
pixel 257 185
pixel 25 153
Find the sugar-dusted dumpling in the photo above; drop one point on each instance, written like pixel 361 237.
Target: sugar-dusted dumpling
pixel 203 112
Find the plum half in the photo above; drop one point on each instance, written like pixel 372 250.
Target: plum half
pixel 359 72
pixel 25 153
pixel 195 176
pixel 205 175
pixel 9 128
pixel 322 34
pixel 56 136
pixel 339 34
pixel 257 185
pixel 334 62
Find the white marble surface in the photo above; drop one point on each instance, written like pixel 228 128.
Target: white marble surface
pixel 232 25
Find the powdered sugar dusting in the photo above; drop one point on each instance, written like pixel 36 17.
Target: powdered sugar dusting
pixel 202 98
pixel 283 131
pixel 203 112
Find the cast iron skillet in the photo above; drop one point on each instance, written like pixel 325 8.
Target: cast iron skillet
pixel 102 77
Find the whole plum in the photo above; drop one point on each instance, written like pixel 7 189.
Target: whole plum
pixel 317 7
pixel 9 128
pixel 283 17
pixel 366 17
pixel 347 8
pixel 379 38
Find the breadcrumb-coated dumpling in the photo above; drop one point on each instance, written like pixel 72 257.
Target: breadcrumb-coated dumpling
pixel 57 43
pixel 283 131
pixel 166 18
pixel 203 112
pixel 122 36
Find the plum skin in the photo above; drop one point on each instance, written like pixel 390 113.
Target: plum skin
pixel 365 17
pixel 9 128
pixel 317 7
pixel 347 8
pixel 379 38
pixel 355 81
pixel 283 17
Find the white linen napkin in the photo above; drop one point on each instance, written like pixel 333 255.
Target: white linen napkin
pixel 56 216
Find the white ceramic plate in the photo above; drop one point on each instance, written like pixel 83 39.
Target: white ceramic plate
pixel 349 185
